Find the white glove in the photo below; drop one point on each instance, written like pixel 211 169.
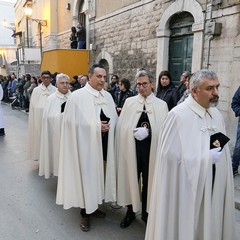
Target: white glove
pixel 215 155
pixel 140 133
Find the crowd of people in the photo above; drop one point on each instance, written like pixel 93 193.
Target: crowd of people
pixel 102 140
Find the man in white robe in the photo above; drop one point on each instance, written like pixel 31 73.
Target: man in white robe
pixel 138 130
pixel 51 127
pixel 2 122
pixel 87 140
pixel 37 103
pixel 192 192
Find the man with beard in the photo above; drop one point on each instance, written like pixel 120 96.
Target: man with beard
pixel 192 192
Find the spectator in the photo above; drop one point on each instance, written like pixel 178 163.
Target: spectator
pixel 81 36
pixel 51 126
pixel 73 38
pixel 2 122
pixel 236 153
pixel 183 79
pixel 187 91
pixel 32 86
pixel 166 90
pixel 137 134
pixel 13 85
pixel 5 89
pixel 87 141
pixel 25 91
pixel 190 200
pixel 37 104
pixel 21 96
pixel 74 83
pixel 124 87
pixel 114 87
pixel 83 80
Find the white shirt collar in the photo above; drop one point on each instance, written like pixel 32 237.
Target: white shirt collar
pixel 63 96
pixel 197 108
pixel 93 91
pixel 148 99
pixel 44 88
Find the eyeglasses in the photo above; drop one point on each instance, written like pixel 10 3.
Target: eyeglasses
pixel 144 84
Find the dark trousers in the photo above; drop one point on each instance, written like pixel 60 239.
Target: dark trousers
pixel 83 213
pixel 236 153
pixel 143 152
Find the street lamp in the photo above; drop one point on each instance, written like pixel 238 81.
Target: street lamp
pixel 41 23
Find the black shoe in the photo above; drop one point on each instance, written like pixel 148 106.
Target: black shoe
pixel 145 218
pixel 235 173
pixel 2 132
pixel 127 221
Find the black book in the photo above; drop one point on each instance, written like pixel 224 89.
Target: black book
pixel 218 140
pixel 103 117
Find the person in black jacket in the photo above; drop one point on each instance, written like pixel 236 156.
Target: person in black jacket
pixel 166 90
pixel 73 38
pixel 124 93
pixel 236 153
pixel 81 36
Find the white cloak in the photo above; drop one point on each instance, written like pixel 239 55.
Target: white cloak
pixel 128 184
pixel 81 166
pixel 183 206
pixel 51 132
pixel 37 103
pixel 2 122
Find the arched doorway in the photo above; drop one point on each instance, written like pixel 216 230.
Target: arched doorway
pixel 163 33
pixel 81 13
pixel 180 44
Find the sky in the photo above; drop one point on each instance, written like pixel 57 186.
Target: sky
pixel 7 13
pixel 9 1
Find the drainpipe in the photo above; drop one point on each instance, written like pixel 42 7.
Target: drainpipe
pixel 209 47
pixel 211 37
pixel 203 37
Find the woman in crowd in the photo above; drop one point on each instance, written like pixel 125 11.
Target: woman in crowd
pixel 73 38
pixel 166 90
pixel 124 87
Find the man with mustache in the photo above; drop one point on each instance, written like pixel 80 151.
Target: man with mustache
pixel 192 192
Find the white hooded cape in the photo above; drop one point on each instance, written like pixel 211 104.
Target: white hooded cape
pixel 128 185
pixel 37 103
pixel 51 132
pixel 2 122
pixel 183 206
pixel 81 166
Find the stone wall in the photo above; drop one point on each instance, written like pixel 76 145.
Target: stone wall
pixel 129 38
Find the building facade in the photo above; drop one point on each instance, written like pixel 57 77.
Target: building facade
pixel 158 35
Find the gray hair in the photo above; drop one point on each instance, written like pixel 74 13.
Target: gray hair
pixel 143 73
pixel 198 77
pixel 62 75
